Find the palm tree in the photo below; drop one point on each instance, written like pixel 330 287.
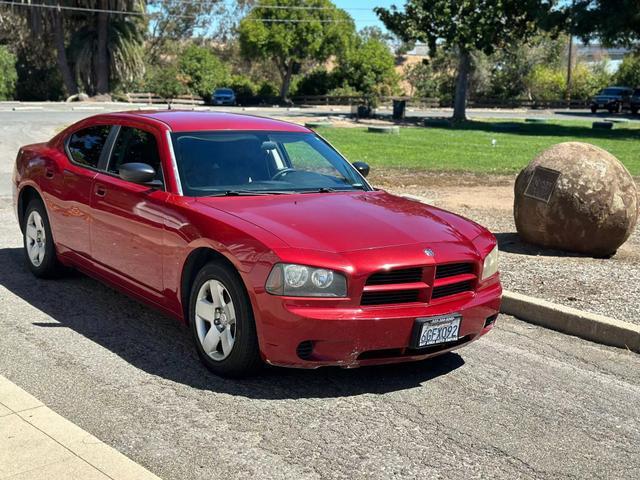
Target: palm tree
pixel 108 47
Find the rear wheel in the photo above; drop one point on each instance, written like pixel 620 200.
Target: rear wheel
pixel 594 109
pixel 222 322
pixel 39 250
pixel 634 110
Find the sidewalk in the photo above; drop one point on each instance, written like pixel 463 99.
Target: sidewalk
pixel 37 443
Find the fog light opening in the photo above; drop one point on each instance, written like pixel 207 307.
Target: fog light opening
pixel 305 350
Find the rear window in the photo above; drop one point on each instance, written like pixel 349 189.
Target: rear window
pixel 85 146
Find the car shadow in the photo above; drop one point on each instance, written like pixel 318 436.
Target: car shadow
pixel 511 242
pixel 162 346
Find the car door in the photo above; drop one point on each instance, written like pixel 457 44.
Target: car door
pixel 69 198
pixel 127 233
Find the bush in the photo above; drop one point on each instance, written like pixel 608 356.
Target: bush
pixel 268 89
pixel 316 82
pixel 244 88
pixel 628 74
pixel 546 83
pixel 202 70
pixel 166 82
pixel 38 84
pixel 8 74
pixel 587 81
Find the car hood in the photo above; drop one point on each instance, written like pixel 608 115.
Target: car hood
pixel 342 222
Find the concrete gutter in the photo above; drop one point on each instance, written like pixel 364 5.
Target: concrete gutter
pixel 590 326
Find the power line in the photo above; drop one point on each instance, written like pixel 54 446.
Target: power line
pixel 152 15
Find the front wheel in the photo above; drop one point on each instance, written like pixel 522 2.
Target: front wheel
pixel 222 322
pixel 594 109
pixel 39 249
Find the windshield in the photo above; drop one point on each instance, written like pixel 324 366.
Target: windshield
pixel 612 91
pixel 211 163
pixel 223 91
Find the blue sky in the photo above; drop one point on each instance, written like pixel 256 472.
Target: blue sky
pixel 362 10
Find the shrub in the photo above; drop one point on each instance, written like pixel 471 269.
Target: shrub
pixel 546 83
pixel 268 89
pixel 167 82
pixel 628 74
pixel 202 70
pixel 244 88
pixel 316 82
pixel 8 74
pixel 587 81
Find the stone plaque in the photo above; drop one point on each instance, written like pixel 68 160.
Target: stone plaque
pixel 542 184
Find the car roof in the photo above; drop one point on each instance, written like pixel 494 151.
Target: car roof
pixel 193 121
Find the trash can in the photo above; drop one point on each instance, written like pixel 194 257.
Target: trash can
pixel 399 107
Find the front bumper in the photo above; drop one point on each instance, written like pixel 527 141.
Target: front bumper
pixel 302 336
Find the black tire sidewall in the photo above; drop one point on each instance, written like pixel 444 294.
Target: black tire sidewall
pixel 49 266
pixel 244 359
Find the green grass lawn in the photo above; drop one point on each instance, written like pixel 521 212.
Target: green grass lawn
pixel 469 147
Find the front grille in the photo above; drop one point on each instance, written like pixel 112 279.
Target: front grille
pixel 392 296
pixel 452 289
pixel 406 275
pixel 453 269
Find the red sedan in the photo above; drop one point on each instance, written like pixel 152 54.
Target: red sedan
pixel 260 236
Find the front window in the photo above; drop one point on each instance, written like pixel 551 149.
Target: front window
pixel 213 163
pixel 135 146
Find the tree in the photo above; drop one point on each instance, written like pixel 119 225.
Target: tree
pixel 8 75
pixel 368 67
pixel 467 25
pixel 294 37
pixel 629 72
pixel 167 83
pixel 614 22
pixel 202 69
pixel 103 59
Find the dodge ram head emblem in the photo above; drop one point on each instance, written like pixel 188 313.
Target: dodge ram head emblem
pixel 428 252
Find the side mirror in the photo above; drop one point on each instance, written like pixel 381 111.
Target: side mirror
pixel 137 173
pixel 362 167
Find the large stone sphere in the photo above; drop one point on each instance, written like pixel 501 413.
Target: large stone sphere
pixel 578 198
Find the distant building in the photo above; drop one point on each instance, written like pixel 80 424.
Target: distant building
pixel 594 53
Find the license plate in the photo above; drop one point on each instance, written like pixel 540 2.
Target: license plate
pixel 438 330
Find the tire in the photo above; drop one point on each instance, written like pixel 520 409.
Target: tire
pixel 634 110
pixel 39 249
pixel 218 300
pixel 594 109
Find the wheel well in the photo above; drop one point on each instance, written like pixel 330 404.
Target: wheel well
pixel 26 195
pixel 196 260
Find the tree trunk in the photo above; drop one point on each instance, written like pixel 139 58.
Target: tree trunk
pixel 61 56
pixel 287 74
pixel 102 54
pixel 460 103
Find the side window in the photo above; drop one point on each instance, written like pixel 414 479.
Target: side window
pixel 135 146
pixel 85 146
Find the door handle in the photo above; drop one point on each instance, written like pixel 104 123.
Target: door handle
pixel 48 172
pixel 101 191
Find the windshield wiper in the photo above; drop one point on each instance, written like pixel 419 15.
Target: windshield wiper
pixel 248 193
pixel 331 190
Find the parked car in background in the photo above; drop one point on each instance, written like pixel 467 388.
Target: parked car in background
pixel 260 236
pixel 223 96
pixel 635 101
pixel 613 99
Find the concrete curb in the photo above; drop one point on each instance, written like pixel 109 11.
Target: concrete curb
pixel 37 443
pixel 590 326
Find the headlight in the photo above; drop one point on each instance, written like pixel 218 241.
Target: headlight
pixel 300 281
pixel 490 266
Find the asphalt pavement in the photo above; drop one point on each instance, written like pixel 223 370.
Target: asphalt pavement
pixel 523 402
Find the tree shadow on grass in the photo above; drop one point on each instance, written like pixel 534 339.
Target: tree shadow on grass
pixel 550 130
pixel 161 346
